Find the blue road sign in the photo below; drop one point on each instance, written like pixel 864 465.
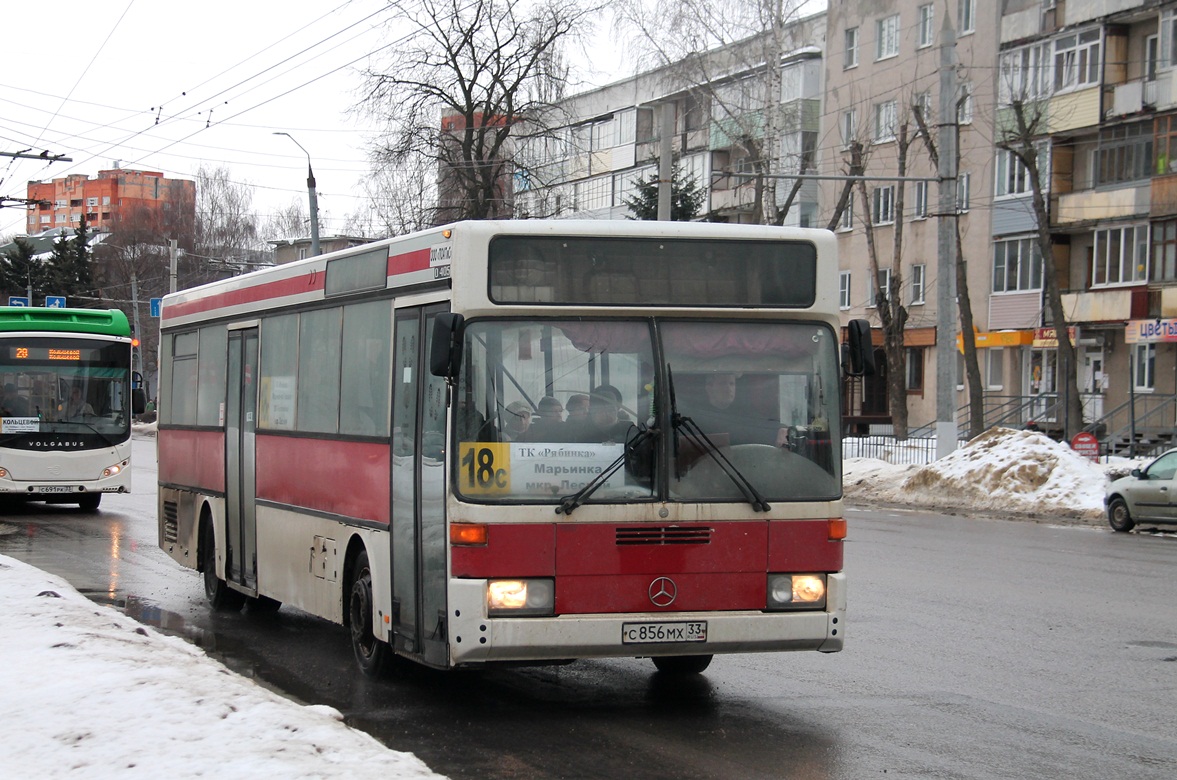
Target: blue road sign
pixel 156 306
pixel 17 300
pixel 54 301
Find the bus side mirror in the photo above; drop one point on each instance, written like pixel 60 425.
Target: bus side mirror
pixel 445 353
pixel 138 394
pixel 859 355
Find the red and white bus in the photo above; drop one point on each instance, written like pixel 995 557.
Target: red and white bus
pixel 391 437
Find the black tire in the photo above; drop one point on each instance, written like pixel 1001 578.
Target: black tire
pixel 89 502
pixel 1119 518
pixel 372 654
pixel 220 596
pixel 682 664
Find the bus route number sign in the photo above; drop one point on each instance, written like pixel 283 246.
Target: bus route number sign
pixel 485 468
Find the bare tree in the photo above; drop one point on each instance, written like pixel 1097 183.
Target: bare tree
pixel 403 196
pixel 1020 137
pixel 456 90
pixel 287 223
pixel 227 226
pixel 699 44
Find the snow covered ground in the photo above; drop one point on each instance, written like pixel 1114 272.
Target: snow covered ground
pixel 88 692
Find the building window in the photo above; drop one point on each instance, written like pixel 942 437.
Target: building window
pixel 849 127
pixel 847 222
pixel 919 209
pixel 915 368
pixel 1121 256
pixel 923 102
pixel 968 15
pixel 1124 154
pixel 1024 73
pixel 1144 366
pixel 1011 177
pixel 1163 257
pixel 851 39
pixel 1165 144
pixel 995 368
pixel 882 286
pixel 1076 60
pixel 61 204
pixel 91 201
pixel 883 205
pixel 918 276
pixel 844 290
pixel 1017 265
pixel 964 105
pixel 887 37
pixel 105 200
pixel 962 192
pixel 884 121
pixel 927 31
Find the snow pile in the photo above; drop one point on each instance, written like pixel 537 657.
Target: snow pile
pixel 1002 470
pixel 86 691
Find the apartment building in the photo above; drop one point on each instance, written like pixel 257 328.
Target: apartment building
pixel 114 195
pixel 737 130
pixel 883 65
pixel 1101 79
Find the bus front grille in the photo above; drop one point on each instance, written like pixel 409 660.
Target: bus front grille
pixel 663 536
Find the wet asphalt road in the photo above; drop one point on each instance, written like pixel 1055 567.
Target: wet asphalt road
pixel 977 648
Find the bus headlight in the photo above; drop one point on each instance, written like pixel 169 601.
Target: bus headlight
pixel 796 591
pixel 520 597
pixel 3 472
pixel 110 471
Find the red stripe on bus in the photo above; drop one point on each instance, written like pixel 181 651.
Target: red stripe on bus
pixel 192 459
pixel 340 477
pixel 408 262
pixel 518 550
pixel 799 546
pixel 298 285
pixel 599 549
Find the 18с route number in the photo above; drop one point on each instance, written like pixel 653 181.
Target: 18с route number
pixel 646 633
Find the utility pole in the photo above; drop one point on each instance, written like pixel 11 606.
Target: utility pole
pixel 665 162
pixel 136 356
pixel 173 252
pixel 946 249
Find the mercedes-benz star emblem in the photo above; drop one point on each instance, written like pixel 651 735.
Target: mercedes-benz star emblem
pixel 663 592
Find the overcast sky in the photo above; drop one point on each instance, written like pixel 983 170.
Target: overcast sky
pixel 168 86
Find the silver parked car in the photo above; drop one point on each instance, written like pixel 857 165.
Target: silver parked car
pixel 1146 495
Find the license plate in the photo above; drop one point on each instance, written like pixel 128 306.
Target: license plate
pixel 661 633
pixel 56 489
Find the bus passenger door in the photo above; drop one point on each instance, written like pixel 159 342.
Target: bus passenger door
pixel 419 540
pixel 240 475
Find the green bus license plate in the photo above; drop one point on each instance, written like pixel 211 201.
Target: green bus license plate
pixel 661 633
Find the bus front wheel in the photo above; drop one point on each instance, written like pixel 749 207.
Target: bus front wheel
pixel 372 654
pixel 220 596
pixel 89 502
pixel 682 664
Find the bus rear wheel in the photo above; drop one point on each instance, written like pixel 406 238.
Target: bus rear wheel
pixel 220 596
pixel 372 654
pixel 89 502
pixel 682 664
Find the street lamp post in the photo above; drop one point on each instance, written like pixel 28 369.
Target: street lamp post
pixel 314 199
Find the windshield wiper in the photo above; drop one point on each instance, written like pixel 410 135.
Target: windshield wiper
pixel 110 442
pixel 699 439
pixel 568 504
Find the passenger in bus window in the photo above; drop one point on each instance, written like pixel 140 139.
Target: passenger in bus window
pixel 548 422
pixel 77 406
pixel 577 408
pixel 516 421
pixel 603 423
pixel 13 405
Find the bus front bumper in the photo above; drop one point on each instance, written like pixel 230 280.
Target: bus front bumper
pixel 476 638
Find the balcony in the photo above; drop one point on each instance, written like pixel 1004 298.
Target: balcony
pixel 1107 305
pixel 1090 206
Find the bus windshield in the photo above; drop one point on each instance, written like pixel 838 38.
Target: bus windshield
pixel 545 407
pixel 64 385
